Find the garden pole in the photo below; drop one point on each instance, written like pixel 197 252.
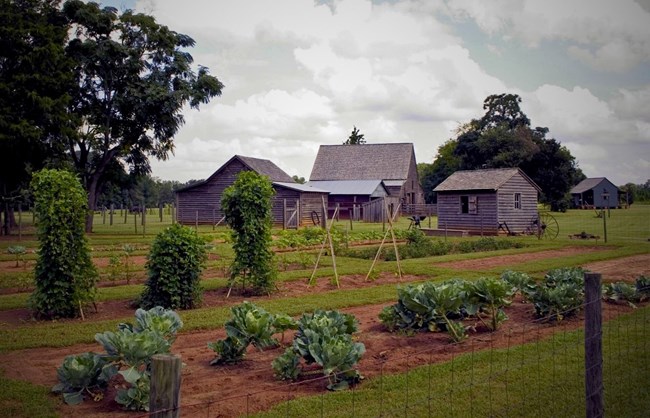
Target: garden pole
pixel 165 390
pixel 604 225
pixel 593 346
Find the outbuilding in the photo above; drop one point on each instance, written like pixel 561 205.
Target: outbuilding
pixel 595 192
pixel 293 203
pixel 481 201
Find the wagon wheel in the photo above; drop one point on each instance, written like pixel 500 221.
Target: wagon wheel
pixel 547 226
pixel 315 219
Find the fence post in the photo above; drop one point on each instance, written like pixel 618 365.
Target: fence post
pixel 165 391
pixel 593 346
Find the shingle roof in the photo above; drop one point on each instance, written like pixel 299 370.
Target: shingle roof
pixel 266 168
pixel 587 184
pixel 363 162
pixel 374 188
pixel 487 179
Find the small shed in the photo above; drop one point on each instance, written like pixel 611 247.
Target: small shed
pixel 350 195
pixel 292 204
pixel 595 192
pixel 479 201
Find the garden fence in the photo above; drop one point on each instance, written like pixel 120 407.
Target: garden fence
pixel 535 369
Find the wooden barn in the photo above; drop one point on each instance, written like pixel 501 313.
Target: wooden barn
pixel 596 192
pixel 391 167
pixel 292 204
pixel 478 201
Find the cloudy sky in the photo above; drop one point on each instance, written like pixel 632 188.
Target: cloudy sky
pixel 300 73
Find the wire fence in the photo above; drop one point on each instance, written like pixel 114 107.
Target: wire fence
pixel 536 369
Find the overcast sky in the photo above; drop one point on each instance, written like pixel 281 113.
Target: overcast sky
pixel 301 73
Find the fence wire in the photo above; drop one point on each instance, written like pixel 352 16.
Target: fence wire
pixel 538 372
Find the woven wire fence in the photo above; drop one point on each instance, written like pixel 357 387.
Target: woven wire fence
pixel 536 369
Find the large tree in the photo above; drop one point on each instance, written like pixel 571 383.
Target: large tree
pixel 35 78
pixel 355 138
pixel 133 77
pixel 503 138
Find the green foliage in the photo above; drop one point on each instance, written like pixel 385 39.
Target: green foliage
pixel 560 294
pixel 82 375
pixel 130 348
pixel 520 282
pixel 621 291
pixel 324 338
pixel 643 285
pixel 65 275
pixel 19 252
pixel 355 138
pixel 488 296
pixel 133 78
pixel 249 324
pixel 175 263
pixel 247 207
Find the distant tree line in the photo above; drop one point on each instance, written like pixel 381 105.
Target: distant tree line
pixel 503 138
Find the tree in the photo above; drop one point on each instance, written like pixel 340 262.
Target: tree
pixel 355 138
pixel 65 274
pixel 247 206
pixel 444 165
pixel 133 78
pixel 503 138
pixel 298 179
pixel 35 77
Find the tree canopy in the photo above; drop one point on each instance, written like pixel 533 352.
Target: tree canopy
pixel 133 78
pixel 355 138
pixel 503 138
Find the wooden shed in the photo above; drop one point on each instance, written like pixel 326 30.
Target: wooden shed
pixel 393 164
pixel 596 192
pixel 292 204
pixel 350 195
pixel 478 201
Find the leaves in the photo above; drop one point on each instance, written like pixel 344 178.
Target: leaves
pixel 82 374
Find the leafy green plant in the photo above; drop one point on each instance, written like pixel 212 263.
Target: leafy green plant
pixel 556 303
pixel 83 375
pixel 18 251
pixel 130 349
pixel 174 267
pixel 488 296
pixel 115 267
pixel 449 301
pixel 324 338
pixel 622 292
pixel 127 251
pixel 65 276
pixel 520 282
pixel 249 324
pixel 642 284
pixel 247 207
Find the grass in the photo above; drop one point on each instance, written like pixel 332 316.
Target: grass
pixel 544 378
pixel 20 399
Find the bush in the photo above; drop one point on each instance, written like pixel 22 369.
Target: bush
pixel 174 267
pixel 64 274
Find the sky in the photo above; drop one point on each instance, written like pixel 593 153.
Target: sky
pixel 302 73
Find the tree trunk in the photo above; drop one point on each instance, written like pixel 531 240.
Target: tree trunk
pixel 92 202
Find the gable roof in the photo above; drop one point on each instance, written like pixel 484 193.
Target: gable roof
pixel 299 187
pixel 258 165
pixel 363 162
pixel 588 184
pixel 373 188
pixel 486 179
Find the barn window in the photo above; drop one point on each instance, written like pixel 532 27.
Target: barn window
pixel 469 204
pixel 517 200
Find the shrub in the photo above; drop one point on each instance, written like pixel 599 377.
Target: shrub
pixel 65 276
pixel 247 207
pixel 174 267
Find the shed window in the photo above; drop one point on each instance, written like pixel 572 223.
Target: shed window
pixel 469 204
pixel 517 200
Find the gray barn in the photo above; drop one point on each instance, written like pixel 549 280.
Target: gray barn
pixel 201 202
pixel 478 201
pixel 596 192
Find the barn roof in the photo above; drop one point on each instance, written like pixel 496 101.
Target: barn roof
pixel 374 188
pixel 363 162
pixel 299 187
pixel 258 165
pixel 486 179
pixel 588 184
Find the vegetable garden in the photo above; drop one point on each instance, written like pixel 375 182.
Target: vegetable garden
pixel 450 309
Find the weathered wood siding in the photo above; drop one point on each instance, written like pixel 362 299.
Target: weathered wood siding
pixel 311 202
pixel 345 203
pixel 483 221
pixel 518 219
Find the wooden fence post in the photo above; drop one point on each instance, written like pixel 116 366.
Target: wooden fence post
pixel 593 346
pixel 165 390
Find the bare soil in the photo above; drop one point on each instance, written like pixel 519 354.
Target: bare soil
pixel 250 386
